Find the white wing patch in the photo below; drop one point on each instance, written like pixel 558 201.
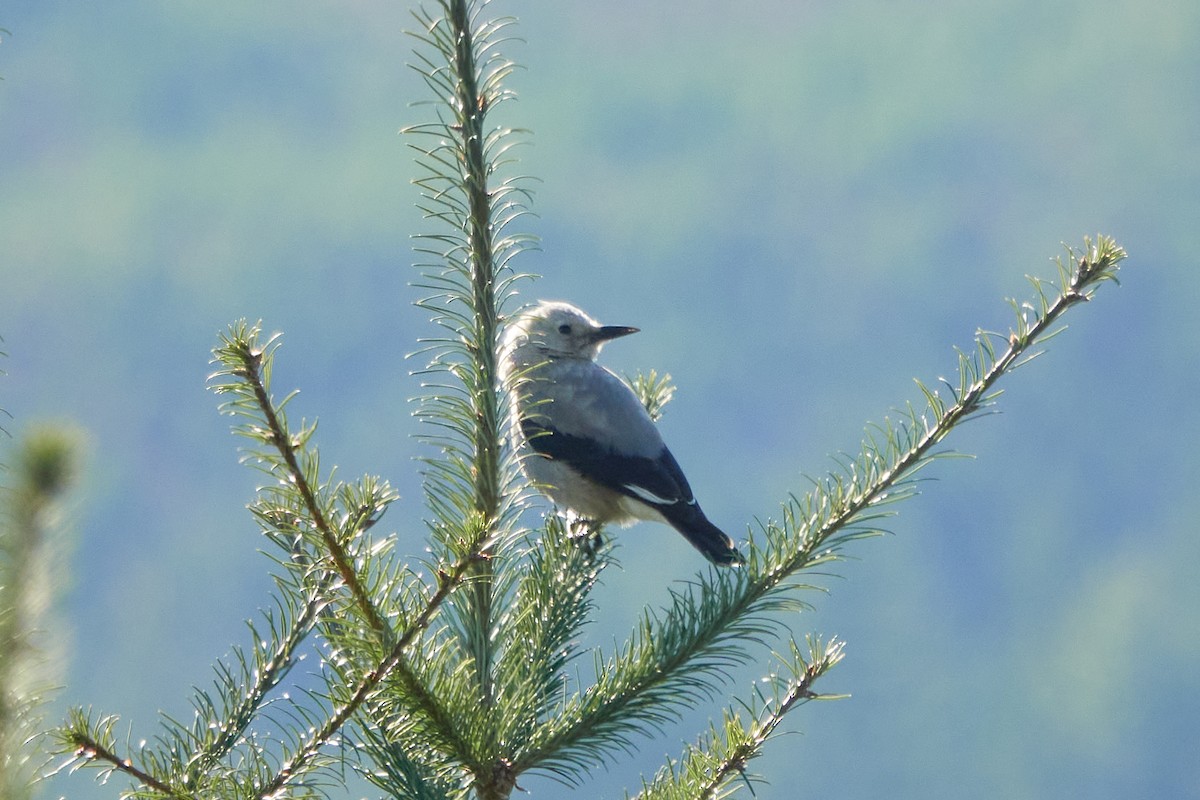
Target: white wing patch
pixel 647 496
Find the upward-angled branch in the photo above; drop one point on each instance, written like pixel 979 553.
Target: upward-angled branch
pixel 473 101
pixel 298 763
pixel 470 272
pixel 481 344
pixel 724 754
pixel 469 484
pixel 242 357
pixel 247 362
pixel 190 764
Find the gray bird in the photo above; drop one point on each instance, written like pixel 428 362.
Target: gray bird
pixel 585 439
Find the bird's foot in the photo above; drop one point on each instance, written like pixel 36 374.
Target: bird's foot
pixel 586 533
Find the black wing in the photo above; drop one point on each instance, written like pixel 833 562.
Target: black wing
pixel 657 482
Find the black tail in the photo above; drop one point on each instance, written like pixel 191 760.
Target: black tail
pixel 704 536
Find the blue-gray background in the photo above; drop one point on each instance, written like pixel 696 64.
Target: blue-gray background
pixel 803 205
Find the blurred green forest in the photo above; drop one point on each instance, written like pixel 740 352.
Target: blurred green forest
pixel 803 205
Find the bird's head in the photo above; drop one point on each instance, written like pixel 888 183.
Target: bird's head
pixel 560 330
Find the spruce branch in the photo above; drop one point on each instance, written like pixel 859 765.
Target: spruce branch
pixel 248 363
pixel 242 357
pixel 43 471
pixel 550 605
pixel 471 484
pixel 708 767
pixel 247 356
pixel 399 772
pixel 93 742
pixel 302 522
pixel 470 272
pixel 301 761
pixel 243 691
pixel 683 652
pixel 654 390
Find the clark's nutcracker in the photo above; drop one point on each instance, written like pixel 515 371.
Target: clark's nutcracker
pixel 585 439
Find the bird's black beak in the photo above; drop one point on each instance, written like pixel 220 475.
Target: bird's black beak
pixel 606 332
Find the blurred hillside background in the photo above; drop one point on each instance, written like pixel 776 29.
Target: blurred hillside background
pixel 803 205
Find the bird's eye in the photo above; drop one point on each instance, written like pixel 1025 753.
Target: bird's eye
pixel 564 329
